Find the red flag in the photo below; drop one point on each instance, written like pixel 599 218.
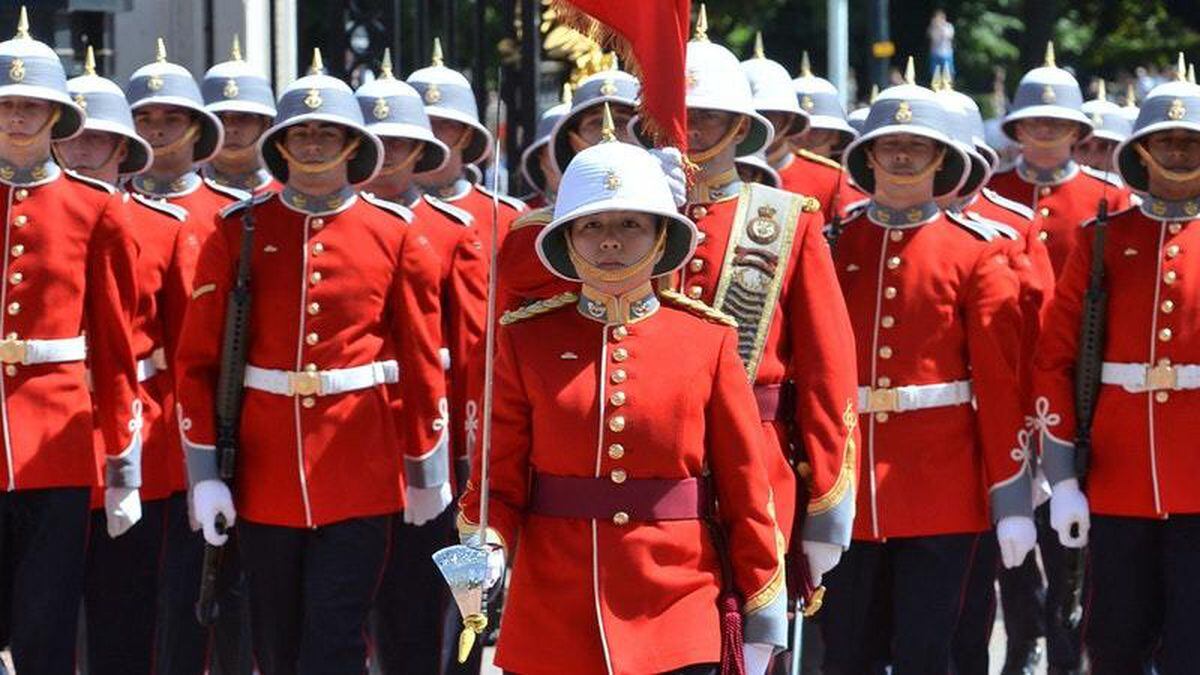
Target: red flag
pixel 651 37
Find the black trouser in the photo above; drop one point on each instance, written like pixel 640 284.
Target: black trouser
pixel 1143 595
pixel 183 644
pixel 974 632
pixel 1032 608
pixel 311 592
pixel 43 538
pixel 898 603
pixel 120 593
pixel 413 597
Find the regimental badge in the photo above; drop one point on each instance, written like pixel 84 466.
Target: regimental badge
pixel 1159 208
pixel 16 72
pixel 883 216
pixel 1191 208
pixel 381 109
pixel 1048 95
pixel 81 101
pixel 335 203
pixel 914 215
pixel 751 279
pixel 596 310
pixel 1176 111
pixel 178 185
pixel 806 102
pixel 7 172
pixel 763 229
pixel 904 113
pixel 433 94
pixel 231 89
pixel 39 172
pixel 154 83
pixel 299 200
pixel 1059 174
pixel 612 181
pixel 608 88
pixel 313 100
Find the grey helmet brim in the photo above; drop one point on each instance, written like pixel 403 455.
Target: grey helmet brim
pixel 531 168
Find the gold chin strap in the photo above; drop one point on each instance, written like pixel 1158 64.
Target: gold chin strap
pixel 408 161
pixel 590 273
pixel 1162 172
pixel 900 179
pixel 704 156
pixel 31 138
pixel 318 167
pixel 186 137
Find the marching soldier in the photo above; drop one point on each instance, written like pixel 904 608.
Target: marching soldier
pixel 241 98
pixel 169 112
pixel 1110 127
pixel 340 284
pixel 762 258
pixel 582 471
pixel 537 163
pixel 828 132
pixel 800 170
pixel 123 573
pixel 450 104
pixel 68 286
pixel 411 597
pixel 1139 516
pixel 934 304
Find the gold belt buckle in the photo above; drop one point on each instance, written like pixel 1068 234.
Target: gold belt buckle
pixel 304 383
pixel 1162 376
pixel 12 350
pixel 883 399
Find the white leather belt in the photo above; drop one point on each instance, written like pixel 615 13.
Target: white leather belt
pixel 149 367
pixel 1142 377
pixel 322 382
pixel 913 397
pixel 33 352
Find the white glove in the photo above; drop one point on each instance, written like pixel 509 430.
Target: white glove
pixel 1069 511
pixel 424 504
pixel 822 557
pixel 672 167
pixel 757 656
pixel 496 563
pixel 122 508
pixel 210 498
pixel 1017 537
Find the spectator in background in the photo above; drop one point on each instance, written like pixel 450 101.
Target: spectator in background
pixel 941 43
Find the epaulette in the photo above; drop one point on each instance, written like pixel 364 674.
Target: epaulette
pixel 984 232
pixel 697 308
pixel 1093 219
pixel 243 203
pixel 538 308
pixel 1006 203
pixel 391 207
pixel 511 201
pixel 461 216
pixel 540 217
pixel 1006 231
pixel 1106 176
pixel 87 180
pixel 173 210
pixel 814 157
pixel 226 190
pixel 807 204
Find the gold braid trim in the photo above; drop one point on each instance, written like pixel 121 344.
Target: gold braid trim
pixel 774 586
pixel 541 216
pixel 809 204
pixel 538 308
pixel 697 308
pixel 814 157
pixel 848 472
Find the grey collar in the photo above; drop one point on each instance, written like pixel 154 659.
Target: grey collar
pixel 316 204
pixel 239 181
pixel 910 217
pixel 1164 210
pixel 1055 176
pixel 36 174
pixel 154 187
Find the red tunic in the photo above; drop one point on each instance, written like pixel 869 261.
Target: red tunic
pixel 812 175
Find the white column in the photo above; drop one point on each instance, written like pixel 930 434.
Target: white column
pixel 256 36
pixel 285 46
pixel 838 29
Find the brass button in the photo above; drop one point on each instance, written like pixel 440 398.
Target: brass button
pixel 21 220
pixel 14 308
pixel 701 237
pixel 1044 211
pixel 618 376
pixel 695 292
pixel 1170 277
pixel 308 401
pixel 620 333
pixel 893 262
pixel 616 423
pixel 889 292
pixel 18 250
pixel 616 451
pixel 883 381
pixel 311 339
pixel 314 278
pixel 317 223
pixel 620 354
pixel 1164 335
pixel 1172 250
pixel 11 336
pixel 617 399
pixel 620 518
pixel 1167 306
pixel 896 235
pixel 1044 190
pixel 618 476
pixel 314 308
pixel 10 370
pixel 696 265
pixel 318 248
pixel 21 194
pixel 310 368
pixel 881 417
pixel 16 278
pixel 887 321
pixel 1164 362
pixel 885 352
pixel 1175 228
pixel 1162 396
pixel 699 212
pixel 1043 235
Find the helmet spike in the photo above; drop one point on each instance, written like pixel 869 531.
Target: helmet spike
pixel 160 51
pixel 1130 96
pixel 385 66
pixel 874 93
pixel 758 46
pixel 89 61
pixel 436 58
pixel 318 64
pixel 701 33
pixel 1192 73
pixel 23 24
pixel 1050 61
pixel 235 50
pixel 947 79
pixel 1181 68
pixel 1101 90
pixel 567 93
pixel 608 130
pixel 910 72
pixel 936 83
pixel 805 64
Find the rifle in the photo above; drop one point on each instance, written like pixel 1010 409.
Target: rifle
pixel 1087 388
pixel 230 381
